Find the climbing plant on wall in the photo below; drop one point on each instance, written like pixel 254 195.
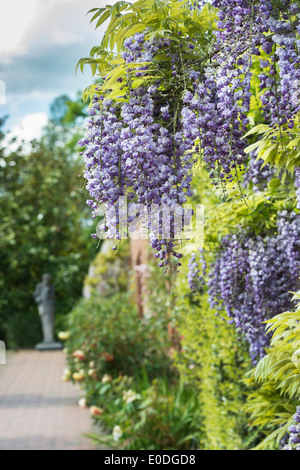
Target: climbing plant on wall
pixel 188 88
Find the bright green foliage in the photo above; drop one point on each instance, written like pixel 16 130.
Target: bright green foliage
pixel 214 363
pixel 109 271
pixel 212 357
pixel 258 215
pixel 278 146
pixel 155 18
pixel 278 375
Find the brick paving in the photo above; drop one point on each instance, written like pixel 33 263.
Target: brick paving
pixel 38 411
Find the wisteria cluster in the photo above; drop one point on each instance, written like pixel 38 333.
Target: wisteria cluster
pixel 272 31
pixel 211 115
pixel 197 270
pixel 256 175
pixel 215 110
pixel 297 185
pixel 294 433
pixel 253 276
pixel 281 67
pixel 145 148
pixel 136 149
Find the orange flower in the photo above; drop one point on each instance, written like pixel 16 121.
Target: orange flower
pixel 108 357
pixel 95 411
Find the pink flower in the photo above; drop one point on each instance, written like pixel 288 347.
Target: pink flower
pixel 79 355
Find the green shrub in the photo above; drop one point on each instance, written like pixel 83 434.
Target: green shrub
pixel 114 340
pixel 214 363
pixel 149 416
pixel 109 270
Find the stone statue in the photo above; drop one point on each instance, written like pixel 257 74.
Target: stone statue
pixel 44 296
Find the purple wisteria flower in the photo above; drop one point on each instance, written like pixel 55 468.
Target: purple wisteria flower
pixel 253 276
pixel 294 433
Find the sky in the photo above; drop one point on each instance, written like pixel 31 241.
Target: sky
pixel 40 44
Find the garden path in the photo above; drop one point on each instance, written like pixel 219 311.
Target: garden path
pixel 38 411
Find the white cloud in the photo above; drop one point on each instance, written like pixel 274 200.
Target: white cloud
pixel 30 128
pixel 40 44
pixel 2 92
pixel 16 19
pixel 42 22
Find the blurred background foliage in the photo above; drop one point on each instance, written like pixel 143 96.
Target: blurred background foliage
pixel 44 223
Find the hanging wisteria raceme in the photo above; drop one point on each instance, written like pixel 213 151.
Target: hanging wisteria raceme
pixel 253 276
pixel 154 166
pixel 294 433
pixel 256 174
pixel 197 270
pixel 215 107
pixel 212 116
pixel 281 66
pixel 297 185
pixel 102 155
pixel 272 32
pixel 276 29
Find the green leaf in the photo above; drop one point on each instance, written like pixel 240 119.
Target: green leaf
pixel 99 12
pixel 259 129
pixel 103 18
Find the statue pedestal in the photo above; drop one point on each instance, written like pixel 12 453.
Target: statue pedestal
pixel 49 346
